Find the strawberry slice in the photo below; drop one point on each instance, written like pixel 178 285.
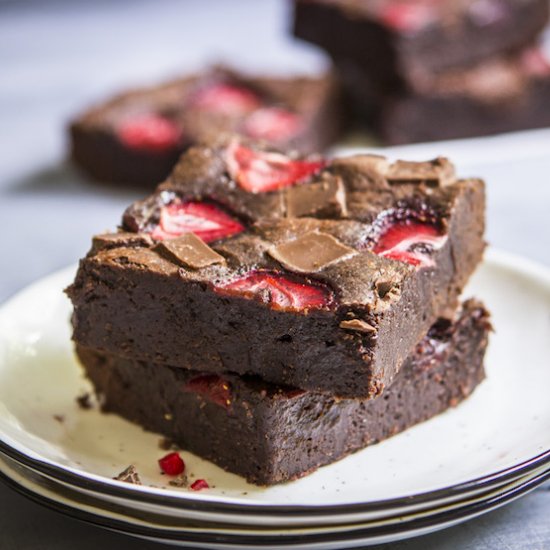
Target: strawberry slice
pixel 273 124
pixel 212 387
pixel 199 485
pixel 261 171
pixel 172 464
pixel 205 220
pixel 151 133
pixel 279 292
pixel 411 242
pixel 227 99
pixel 410 16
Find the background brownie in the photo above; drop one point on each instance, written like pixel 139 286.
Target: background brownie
pixel 271 434
pixel 499 95
pixel 289 298
pixel 395 41
pixel 137 136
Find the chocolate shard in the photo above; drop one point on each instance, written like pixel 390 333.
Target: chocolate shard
pixel 190 251
pixel 362 171
pixel 437 172
pixel 310 253
pixel 357 325
pixel 326 198
pixel 120 239
pixel 129 475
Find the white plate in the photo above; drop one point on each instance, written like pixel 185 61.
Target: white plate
pixel 501 431
pixel 185 533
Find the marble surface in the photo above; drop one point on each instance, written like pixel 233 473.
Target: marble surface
pixel 58 56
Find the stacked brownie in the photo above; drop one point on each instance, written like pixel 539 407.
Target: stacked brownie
pixel 422 70
pixel 137 136
pixel 274 312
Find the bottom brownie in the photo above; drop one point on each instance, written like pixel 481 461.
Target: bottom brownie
pixel 270 434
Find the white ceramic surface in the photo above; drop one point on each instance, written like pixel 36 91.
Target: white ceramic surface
pixel 196 534
pixel 505 422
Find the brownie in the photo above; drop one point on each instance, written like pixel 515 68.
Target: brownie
pixel 137 137
pixel 501 95
pixel 397 41
pixel 284 298
pixel 270 434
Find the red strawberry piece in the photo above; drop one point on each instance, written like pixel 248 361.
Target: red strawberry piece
pixel 227 99
pixel 172 464
pixel 199 485
pixel 273 124
pixel 150 133
pixel 212 387
pixel 410 241
pixel 410 16
pixel 261 171
pixel 278 291
pixel 205 220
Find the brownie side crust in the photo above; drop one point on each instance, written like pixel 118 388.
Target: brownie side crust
pixel 270 434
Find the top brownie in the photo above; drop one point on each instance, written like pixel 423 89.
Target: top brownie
pixel 137 136
pixel 397 41
pixel 322 275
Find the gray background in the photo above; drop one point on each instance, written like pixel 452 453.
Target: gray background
pixel 56 57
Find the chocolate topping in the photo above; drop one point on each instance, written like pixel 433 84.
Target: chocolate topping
pixel 326 198
pixel 437 172
pixel 357 325
pixel 189 251
pixel 310 253
pixel 123 238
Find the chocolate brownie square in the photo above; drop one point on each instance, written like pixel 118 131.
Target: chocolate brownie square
pixel 137 136
pixel 211 274
pixel 270 434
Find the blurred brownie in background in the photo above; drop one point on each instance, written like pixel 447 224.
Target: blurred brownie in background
pixel 137 136
pixel 499 95
pixel 420 70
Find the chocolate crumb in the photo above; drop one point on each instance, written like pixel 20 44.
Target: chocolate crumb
pixel 84 401
pixel 129 475
pixel 179 481
pixel 59 418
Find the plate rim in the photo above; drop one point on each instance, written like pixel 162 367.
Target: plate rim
pixel 509 261
pixel 441 520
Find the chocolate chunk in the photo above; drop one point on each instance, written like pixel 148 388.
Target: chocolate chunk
pixel 84 401
pixel 362 171
pixel 357 325
pixel 129 475
pixel 189 251
pixel 437 172
pixel 120 239
pixel 326 198
pixel 310 253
